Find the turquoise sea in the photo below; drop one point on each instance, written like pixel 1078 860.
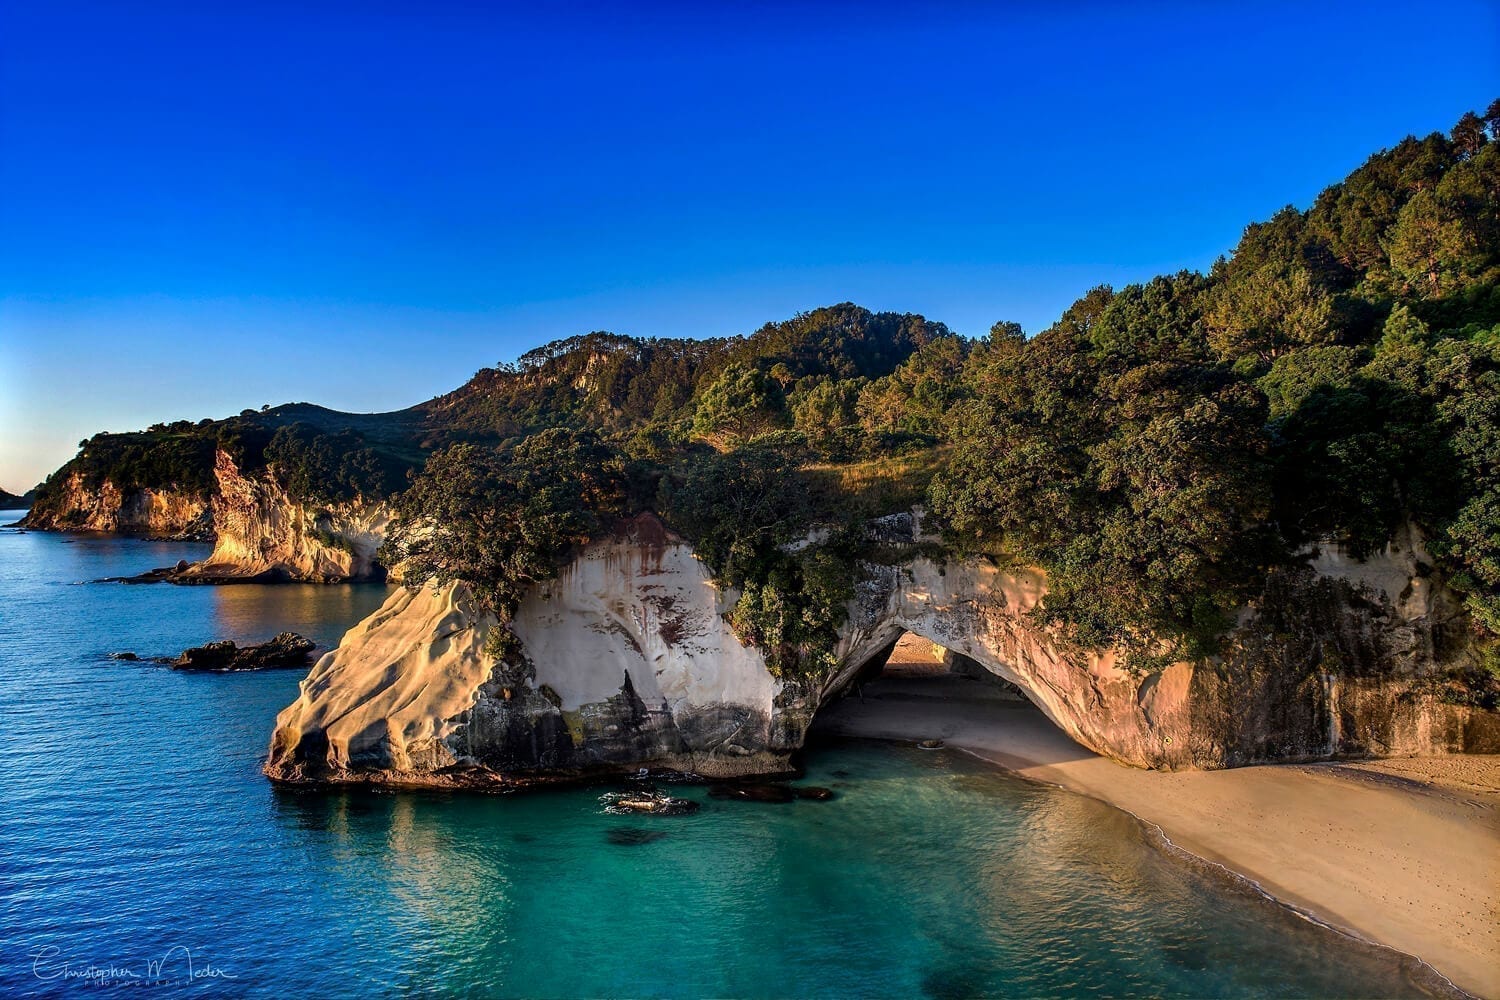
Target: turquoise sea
pixel 142 852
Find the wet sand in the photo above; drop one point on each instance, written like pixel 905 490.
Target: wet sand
pixel 1402 852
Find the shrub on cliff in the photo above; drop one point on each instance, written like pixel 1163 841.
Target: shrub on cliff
pixel 503 521
pixel 1107 451
pixel 748 514
pixel 317 467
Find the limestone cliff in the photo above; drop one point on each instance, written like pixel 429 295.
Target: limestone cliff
pixel 630 661
pixel 627 661
pixel 262 533
pixel 79 505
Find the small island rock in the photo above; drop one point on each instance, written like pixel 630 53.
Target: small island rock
pixel 286 650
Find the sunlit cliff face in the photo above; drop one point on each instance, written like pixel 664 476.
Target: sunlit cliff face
pixel 627 660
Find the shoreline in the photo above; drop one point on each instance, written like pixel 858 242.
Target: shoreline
pixel 1429 976
pixel 1401 854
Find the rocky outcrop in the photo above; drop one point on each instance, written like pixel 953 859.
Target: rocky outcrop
pixel 627 661
pixel 286 650
pixel 79 505
pixel 260 533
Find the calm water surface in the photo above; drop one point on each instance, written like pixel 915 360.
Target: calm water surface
pixel 135 821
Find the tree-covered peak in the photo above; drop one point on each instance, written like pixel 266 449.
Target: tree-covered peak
pixel 1158 450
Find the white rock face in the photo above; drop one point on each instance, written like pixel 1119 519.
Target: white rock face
pixel 629 662
pixel 1393 571
pixel 261 532
pixel 649 610
pixel 632 662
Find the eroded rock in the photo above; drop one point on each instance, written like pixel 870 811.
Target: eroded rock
pixel 627 662
pixel 84 506
pixel 262 535
pixel 814 793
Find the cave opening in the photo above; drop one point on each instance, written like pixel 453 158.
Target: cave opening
pixel 916 663
pixel 916 689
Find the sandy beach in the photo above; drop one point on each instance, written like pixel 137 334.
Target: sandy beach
pixel 1405 853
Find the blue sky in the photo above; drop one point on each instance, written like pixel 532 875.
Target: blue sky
pixel 205 207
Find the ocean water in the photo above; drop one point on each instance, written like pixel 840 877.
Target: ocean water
pixel 141 849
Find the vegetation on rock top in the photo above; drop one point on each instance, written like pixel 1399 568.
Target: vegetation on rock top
pixel 1157 451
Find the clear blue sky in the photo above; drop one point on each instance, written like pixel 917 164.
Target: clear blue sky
pixel 207 208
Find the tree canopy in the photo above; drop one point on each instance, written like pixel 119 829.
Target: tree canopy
pixel 1157 450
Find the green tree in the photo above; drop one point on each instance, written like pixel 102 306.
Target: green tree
pixel 1133 473
pixel 1468 135
pixel 1429 244
pixel 738 405
pixel 1267 312
pixel 825 412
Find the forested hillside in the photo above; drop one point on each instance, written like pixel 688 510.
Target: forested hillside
pixel 1160 445
pixel 15 501
pixel 1157 450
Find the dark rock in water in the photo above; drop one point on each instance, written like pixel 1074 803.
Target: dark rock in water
pixel 286 650
pixel 150 576
pixel 752 793
pixel 127 655
pixel 649 803
pixel 841 774
pixel 814 792
pixel 633 836
pixel 930 745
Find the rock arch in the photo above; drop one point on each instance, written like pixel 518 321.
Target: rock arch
pixel 631 663
pixel 980 611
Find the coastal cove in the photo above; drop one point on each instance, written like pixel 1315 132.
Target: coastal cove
pixel 1367 834
pixel 760 502
pixel 137 791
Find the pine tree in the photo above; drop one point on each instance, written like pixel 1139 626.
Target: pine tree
pixel 1468 135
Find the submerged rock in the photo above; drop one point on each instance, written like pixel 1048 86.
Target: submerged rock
pixel 753 793
pixel 286 650
pixel 126 655
pixel 633 836
pixel 159 575
pixel 815 793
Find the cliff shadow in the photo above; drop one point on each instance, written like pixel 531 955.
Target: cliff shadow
pixel 916 690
